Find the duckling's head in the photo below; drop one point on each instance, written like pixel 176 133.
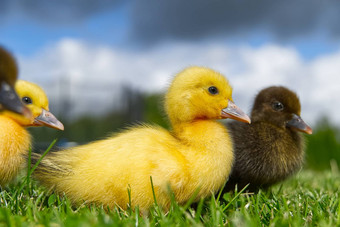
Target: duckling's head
pixel 8 67
pixel 280 107
pixel 8 74
pixel 36 101
pixel 201 93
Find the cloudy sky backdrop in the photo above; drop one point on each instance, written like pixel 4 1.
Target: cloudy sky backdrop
pixel 87 50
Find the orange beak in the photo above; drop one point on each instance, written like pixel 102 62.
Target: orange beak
pixel 46 118
pixel 298 124
pixel 234 112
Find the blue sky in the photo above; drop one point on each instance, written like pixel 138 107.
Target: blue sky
pixel 26 35
pixel 144 43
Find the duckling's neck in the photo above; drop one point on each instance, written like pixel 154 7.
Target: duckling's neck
pixel 18 119
pixel 14 138
pixel 199 132
pixel 203 137
pixel 208 150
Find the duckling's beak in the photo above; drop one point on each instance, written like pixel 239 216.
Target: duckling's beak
pixel 298 124
pixel 46 118
pixel 234 112
pixel 10 100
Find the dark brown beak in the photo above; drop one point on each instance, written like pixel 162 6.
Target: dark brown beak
pixel 46 118
pixel 298 124
pixel 234 112
pixel 9 100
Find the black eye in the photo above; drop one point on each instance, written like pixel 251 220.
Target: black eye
pixel 27 100
pixel 277 106
pixel 213 90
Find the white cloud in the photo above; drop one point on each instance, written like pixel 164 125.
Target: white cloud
pixel 96 73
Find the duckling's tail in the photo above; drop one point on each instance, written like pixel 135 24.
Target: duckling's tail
pixel 50 169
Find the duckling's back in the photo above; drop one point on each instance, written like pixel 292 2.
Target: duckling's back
pixel 103 171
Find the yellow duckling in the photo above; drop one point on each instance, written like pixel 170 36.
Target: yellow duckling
pixel 8 75
pixel 14 138
pixel 191 156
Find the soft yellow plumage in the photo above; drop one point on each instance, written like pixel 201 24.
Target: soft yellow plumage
pixel 14 142
pixel 14 138
pixel 197 153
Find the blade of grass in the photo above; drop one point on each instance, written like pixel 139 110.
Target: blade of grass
pixel 235 197
pixel 220 192
pixel 28 172
pixel 137 216
pixel 192 198
pixel 173 204
pixel 199 210
pixel 338 212
pixel 154 198
pixel 43 155
pixel 35 166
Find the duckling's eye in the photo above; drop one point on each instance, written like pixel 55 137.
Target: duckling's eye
pixel 277 106
pixel 213 90
pixel 27 100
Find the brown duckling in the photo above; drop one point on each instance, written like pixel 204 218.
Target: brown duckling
pixel 271 148
pixel 9 100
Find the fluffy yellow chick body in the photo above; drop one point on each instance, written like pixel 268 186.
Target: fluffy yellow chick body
pixel 191 156
pixel 14 138
pixel 102 171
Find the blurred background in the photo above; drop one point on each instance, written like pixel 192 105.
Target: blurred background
pixel 106 64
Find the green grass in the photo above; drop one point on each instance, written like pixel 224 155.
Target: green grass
pixel 309 198
pixel 323 146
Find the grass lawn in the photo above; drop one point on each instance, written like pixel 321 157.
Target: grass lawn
pixel 309 198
